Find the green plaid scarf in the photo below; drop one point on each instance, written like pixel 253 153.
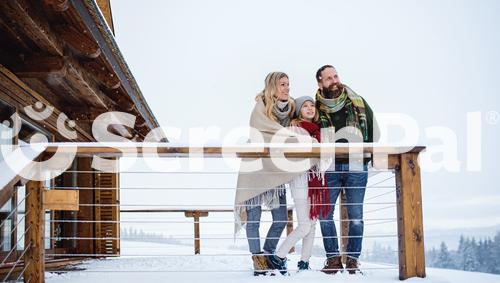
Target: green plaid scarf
pixel 356 115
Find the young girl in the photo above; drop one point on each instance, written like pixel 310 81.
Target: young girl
pixel 311 200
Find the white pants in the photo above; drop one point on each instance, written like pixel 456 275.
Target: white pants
pixel 306 227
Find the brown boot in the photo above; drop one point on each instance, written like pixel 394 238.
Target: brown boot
pixel 352 265
pixel 260 266
pixel 333 265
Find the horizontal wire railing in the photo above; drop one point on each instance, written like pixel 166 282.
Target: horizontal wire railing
pixel 171 255
pixel 222 270
pixel 196 212
pixel 214 172
pixel 182 237
pixel 370 201
pixel 208 221
pixel 195 188
pixel 209 208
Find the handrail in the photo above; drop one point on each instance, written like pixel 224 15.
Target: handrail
pixel 306 150
pixel 18 161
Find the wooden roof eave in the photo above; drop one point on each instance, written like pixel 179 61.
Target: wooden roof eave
pixel 99 30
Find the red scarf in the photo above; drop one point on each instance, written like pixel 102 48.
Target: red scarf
pixel 318 193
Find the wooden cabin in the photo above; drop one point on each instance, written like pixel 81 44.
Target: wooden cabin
pixel 61 56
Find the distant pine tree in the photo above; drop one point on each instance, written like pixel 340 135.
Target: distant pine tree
pixel 482 256
pixel 459 257
pixel 431 257
pixel 444 259
pixel 469 260
pixel 381 253
pixel 489 257
pixel 495 250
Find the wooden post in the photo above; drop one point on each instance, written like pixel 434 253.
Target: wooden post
pixel 410 219
pixel 196 214
pixel 34 238
pixel 13 222
pixel 344 226
pixel 86 213
pixel 289 227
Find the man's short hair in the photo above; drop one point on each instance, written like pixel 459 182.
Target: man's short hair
pixel 318 73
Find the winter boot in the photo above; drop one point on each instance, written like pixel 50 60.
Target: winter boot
pixel 278 263
pixel 333 265
pixel 352 265
pixel 303 265
pixel 260 266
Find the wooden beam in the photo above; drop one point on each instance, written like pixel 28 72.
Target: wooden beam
pixel 66 264
pixel 101 74
pixel 34 238
pixel 18 94
pixel 121 131
pixel 15 36
pixel 78 41
pixel 410 218
pixel 14 227
pixel 33 25
pixel 193 213
pixel 41 67
pixel 57 5
pixel 86 87
pixel 251 150
pixel 7 192
pixel 61 200
pixel 66 73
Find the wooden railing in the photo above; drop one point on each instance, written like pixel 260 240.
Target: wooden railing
pixel 196 214
pixel 402 161
pixel 13 167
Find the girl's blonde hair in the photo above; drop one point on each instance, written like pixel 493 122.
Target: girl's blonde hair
pixel 295 122
pixel 269 94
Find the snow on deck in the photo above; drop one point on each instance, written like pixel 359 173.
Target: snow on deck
pixel 163 262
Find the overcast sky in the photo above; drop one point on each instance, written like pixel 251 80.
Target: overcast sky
pixel 201 63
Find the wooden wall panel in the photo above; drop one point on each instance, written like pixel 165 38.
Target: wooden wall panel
pixel 108 211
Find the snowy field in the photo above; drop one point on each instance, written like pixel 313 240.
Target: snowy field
pixel 165 263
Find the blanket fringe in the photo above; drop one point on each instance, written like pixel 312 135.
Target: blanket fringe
pixel 269 199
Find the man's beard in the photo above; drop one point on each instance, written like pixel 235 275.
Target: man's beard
pixel 333 91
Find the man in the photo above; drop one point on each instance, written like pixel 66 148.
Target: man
pixel 351 117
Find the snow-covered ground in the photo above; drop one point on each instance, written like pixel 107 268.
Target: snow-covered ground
pixel 153 262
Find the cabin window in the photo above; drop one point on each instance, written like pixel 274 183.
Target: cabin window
pixel 6 129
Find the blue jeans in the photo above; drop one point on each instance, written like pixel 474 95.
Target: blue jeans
pixel 280 217
pixel 355 187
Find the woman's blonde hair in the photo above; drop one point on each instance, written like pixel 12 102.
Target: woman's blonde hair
pixel 269 94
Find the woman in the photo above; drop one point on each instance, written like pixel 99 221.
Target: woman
pixel 273 111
